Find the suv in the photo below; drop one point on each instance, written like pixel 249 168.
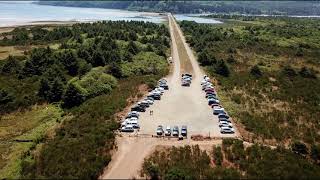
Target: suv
pixel 175 131
pixel 184 131
pixel 160 130
pixel 227 130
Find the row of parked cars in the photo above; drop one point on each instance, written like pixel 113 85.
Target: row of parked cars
pixel 174 131
pixel 186 79
pixel 131 120
pixel 213 101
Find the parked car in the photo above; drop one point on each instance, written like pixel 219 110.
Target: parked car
pixel 210 90
pixel 218 110
pixel 168 131
pixel 184 131
pixel 185 83
pixel 216 105
pixel 206 87
pixel 144 103
pixel 224 119
pixel 211 94
pixel 187 74
pixel 226 130
pixel 150 102
pixel 175 131
pixel 127 128
pixel 132 115
pixel 134 124
pixel 162 80
pixel 164 86
pixel 225 124
pixel 170 59
pixel 138 108
pixel 213 101
pixel 157 97
pixel 220 116
pixel 160 130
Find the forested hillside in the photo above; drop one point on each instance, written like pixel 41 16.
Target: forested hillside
pixel 239 7
pixel 77 77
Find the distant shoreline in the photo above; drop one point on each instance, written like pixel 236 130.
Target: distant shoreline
pixel 4 29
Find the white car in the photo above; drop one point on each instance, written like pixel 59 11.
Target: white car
pixel 225 124
pixel 167 131
pixel 149 101
pixel 160 89
pixel 226 130
pixel 203 82
pixel 127 128
pixel 162 80
pixel 133 113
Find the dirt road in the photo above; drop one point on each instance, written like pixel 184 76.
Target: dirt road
pixel 178 106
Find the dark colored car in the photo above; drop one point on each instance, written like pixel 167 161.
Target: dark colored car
pixel 138 108
pixel 186 74
pixel 223 116
pixel 184 131
pixel 156 97
pixel 224 119
pixel 212 101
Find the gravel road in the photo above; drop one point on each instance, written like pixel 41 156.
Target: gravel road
pixel 178 106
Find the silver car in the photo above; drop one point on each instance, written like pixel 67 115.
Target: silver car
pixel 175 131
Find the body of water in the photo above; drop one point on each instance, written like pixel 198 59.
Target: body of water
pixel 26 12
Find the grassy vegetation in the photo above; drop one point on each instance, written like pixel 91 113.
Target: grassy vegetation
pixel 273 84
pixel 232 160
pixel 29 125
pixel 89 77
pixel 267 76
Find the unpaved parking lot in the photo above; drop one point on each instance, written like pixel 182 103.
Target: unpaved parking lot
pixel 178 106
pixel 182 105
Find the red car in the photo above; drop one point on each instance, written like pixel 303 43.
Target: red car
pixel 210 90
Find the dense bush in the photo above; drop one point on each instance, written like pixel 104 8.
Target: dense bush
pixel 188 162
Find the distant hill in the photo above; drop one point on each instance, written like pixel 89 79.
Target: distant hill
pixel 238 7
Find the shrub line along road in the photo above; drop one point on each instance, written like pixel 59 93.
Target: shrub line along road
pixel 178 106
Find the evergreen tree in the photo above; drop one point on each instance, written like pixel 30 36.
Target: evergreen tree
pixel 5 97
pixel 73 96
pixel 98 59
pixel 132 48
pixel 115 70
pixel 11 66
pixel 70 62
